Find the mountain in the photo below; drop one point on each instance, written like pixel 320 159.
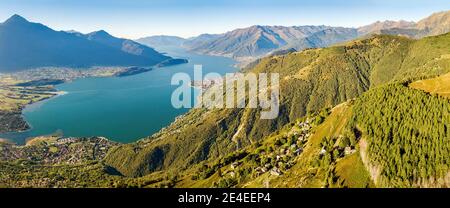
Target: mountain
pixel 24 45
pixel 324 38
pixel 378 26
pixel 436 24
pixel 125 45
pixel 257 41
pixel 162 40
pixel 193 42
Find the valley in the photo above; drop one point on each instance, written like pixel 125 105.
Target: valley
pixel 360 107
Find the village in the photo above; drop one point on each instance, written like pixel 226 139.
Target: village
pixel 65 74
pixel 56 150
pixel 273 158
pixel 277 158
pixel 282 158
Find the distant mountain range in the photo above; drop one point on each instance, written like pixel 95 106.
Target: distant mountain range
pixel 379 26
pixel 257 41
pixel 436 24
pixel 25 45
pixel 249 43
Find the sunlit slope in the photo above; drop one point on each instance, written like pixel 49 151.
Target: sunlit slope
pixel 439 85
pixel 314 169
pixel 398 138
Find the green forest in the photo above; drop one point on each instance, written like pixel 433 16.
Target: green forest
pixel 408 135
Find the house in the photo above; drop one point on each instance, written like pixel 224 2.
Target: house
pixel 349 150
pixel 306 128
pixel 298 151
pixel 280 164
pixel 234 165
pixel 232 174
pixel 322 151
pixel 264 169
pixel 275 172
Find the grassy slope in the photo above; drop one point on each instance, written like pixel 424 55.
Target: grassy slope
pixel 13 99
pixel 353 173
pixel 304 174
pixel 439 85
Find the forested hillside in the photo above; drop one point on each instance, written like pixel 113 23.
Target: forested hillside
pixel 310 81
pixel 405 137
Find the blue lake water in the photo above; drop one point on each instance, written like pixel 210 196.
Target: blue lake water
pixel 123 109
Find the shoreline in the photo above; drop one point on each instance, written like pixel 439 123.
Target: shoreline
pixel 21 135
pixel 21 119
pixel 5 141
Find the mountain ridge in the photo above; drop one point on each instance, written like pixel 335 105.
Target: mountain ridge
pixel 253 42
pixel 256 41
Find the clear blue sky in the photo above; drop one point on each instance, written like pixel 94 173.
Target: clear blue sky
pixel 138 18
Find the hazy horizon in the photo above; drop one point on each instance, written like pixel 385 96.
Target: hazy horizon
pixel 141 18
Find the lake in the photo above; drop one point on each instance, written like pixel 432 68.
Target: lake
pixel 123 109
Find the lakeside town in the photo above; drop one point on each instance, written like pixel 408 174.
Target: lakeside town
pixel 64 73
pixel 57 150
